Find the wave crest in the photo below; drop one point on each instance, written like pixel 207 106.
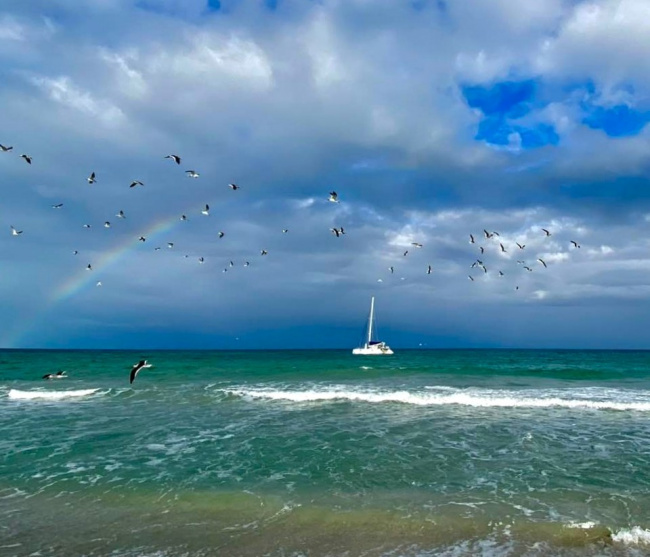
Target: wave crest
pixel 48 395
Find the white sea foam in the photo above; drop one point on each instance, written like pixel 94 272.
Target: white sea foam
pixel 632 536
pixel 484 399
pixel 48 395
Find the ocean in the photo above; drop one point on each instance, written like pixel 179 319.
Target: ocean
pixel 321 453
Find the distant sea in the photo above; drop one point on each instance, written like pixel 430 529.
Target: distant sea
pixel 321 453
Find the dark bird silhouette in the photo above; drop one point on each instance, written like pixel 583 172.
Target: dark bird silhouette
pixel 142 239
pixel 57 206
pixel 175 158
pixel 222 234
pixel 27 158
pixel 4 148
pixel 502 248
pixel 575 244
pixel 542 262
pixel 471 239
pixel 546 232
pixel 136 183
pixel 334 197
pixel 91 179
pixel 429 269
pixel 233 187
pixel 136 369
pixel 520 246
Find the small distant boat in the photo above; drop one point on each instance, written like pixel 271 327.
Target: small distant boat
pixel 372 347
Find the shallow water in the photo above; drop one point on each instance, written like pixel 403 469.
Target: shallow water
pixel 322 453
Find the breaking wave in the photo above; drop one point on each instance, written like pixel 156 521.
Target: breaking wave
pixel 48 395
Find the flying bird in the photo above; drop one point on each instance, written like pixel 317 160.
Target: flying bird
pixel 91 179
pixel 192 173
pixel 575 244
pixel 520 246
pixel 27 158
pixel 482 249
pixel 470 277
pixel 546 232
pixel 336 231
pixel 391 269
pixel 206 211
pixel 502 248
pixel 142 239
pixel 183 217
pixel 429 269
pixel 542 261
pixel 136 369
pixel 175 158
pixel 233 186
pixel 107 224
pixel 75 252
pixel 4 149
pixel 136 183
pixel 57 375
pixel 500 273
pixel 528 268
pixel 222 234
pixel 99 283
pixel 416 244
pixel 285 230
pixel 57 206
pixel 487 234
pixel 156 249
pixel 15 232
pixel 405 253
pixel 334 197
pixel 231 264
pixel 264 252
pixel 246 264
pixel 201 260
pixel 121 215
pixel 89 267
pixel 170 245
pixel 471 239
pixel 86 226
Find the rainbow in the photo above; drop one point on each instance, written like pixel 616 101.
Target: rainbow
pixel 12 336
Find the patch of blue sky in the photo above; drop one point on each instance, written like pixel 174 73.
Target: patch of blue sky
pixel 616 121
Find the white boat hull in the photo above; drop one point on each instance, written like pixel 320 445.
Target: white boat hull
pixel 373 351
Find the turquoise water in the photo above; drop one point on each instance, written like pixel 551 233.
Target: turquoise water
pixel 324 453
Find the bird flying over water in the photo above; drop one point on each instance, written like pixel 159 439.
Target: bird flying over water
pixel 15 232
pixel 192 173
pixel 142 364
pixel 91 179
pixel 175 158
pixel 136 183
pixel 27 158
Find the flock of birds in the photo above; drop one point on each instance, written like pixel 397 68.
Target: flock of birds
pixel 135 369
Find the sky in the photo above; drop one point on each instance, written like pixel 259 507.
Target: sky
pixel 431 119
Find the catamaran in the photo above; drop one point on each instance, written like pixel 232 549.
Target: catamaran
pixel 372 347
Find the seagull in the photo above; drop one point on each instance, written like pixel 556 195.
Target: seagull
pixel 57 375
pixel 136 183
pixel 225 270
pixel 546 232
pixel 15 232
pixel 487 234
pixel 231 264
pixel 264 252
pixel 429 269
pixel 334 197
pixel 183 217
pixel 156 249
pixel 528 268
pixel 91 179
pixel 5 149
pixel 233 186
pixel 416 244
pixel 471 239
pixel 175 158
pixel 495 233
pixel 136 369
pixel 142 239
pixel 391 269
pixel 192 173
pixel 120 215
pixel 201 260
pixel 502 248
pixel 246 264
pixel 75 252
pixel 482 249
pixel 27 158
pixel 57 206
pixel 575 244
pixel 342 231
pixel 516 288
pixel 86 226
pixel 222 234
pixel 89 267
pixel 470 277
pixel 500 273
pixel 406 253
pixel 170 245
pixel 206 211
pixel 99 283
pixel 541 261
pixel 107 224
pixel 285 230
pixel 520 246
pixel 336 231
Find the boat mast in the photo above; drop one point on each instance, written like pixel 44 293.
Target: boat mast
pixel 372 315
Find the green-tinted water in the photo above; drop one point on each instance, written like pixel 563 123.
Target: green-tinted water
pixel 323 453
